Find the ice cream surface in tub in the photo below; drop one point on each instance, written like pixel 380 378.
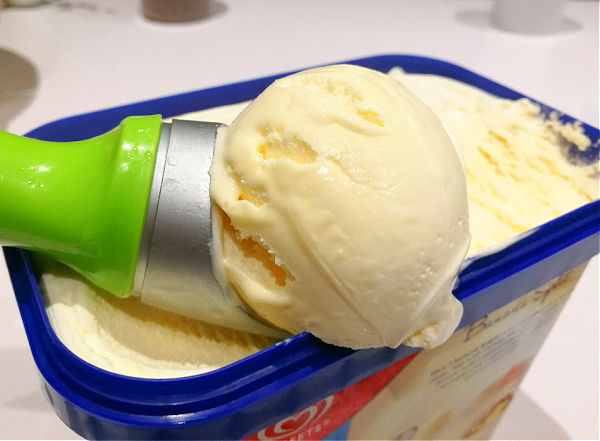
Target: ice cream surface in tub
pixel 519 175
pixel 129 337
pixel 517 178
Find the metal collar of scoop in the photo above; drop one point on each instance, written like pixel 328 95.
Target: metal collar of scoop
pixel 174 271
pixel 175 252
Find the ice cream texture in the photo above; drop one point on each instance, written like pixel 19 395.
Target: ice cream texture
pixel 126 336
pixel 341 210
pixel 517 178
pixel 519 174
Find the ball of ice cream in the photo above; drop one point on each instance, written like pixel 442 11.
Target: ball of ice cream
pixel 340 208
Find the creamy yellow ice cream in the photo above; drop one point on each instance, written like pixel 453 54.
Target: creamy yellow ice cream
pixel 468 113
pixel 517 173
pixel 341 209
pixel 129 337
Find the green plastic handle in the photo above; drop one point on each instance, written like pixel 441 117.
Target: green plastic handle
pixel 83 203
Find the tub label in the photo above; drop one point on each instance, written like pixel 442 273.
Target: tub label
pixel 325 416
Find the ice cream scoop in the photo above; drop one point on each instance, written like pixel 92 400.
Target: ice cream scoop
pixel 336 204
pixel 129 210
pixel 341 209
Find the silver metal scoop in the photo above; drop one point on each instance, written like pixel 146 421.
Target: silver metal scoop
pixel 175 265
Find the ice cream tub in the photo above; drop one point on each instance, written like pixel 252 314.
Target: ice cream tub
pixel 301 388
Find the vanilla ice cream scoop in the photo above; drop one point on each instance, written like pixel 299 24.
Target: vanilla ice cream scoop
pixel 340 208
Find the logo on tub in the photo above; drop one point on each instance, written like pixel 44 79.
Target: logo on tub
pixel 295 423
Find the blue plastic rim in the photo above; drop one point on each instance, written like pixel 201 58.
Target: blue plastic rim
pixel 240 399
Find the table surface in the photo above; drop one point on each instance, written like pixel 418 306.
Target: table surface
pixel 74 56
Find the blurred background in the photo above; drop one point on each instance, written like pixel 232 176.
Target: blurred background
pixel 65 57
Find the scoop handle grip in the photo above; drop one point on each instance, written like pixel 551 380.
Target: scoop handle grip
pixel 83 202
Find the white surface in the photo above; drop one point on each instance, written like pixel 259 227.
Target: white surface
pixel 94 54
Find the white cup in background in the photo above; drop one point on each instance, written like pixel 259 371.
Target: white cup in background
pixel 529 16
